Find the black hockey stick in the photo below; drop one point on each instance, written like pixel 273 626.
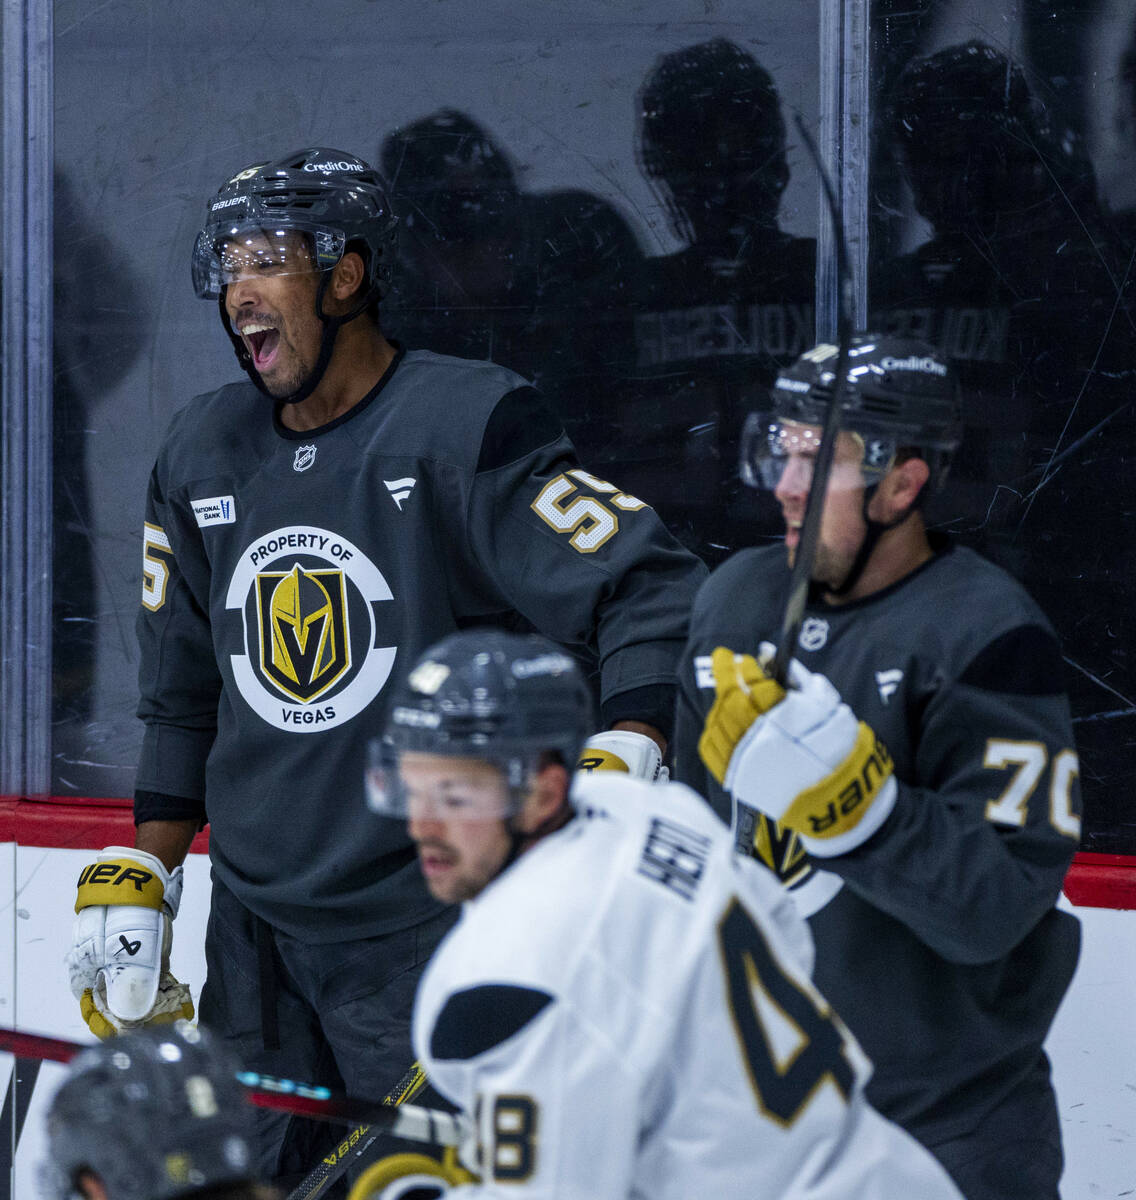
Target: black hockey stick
pixel 285 1095
pixel 801 574
pixel 748 821
pixel 355 1146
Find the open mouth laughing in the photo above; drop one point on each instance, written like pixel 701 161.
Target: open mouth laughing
pixel 263 341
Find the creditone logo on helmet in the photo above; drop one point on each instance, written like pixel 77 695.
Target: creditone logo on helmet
pixel 928 366
pixel 334 166
pixel 544 664
pixel 307 599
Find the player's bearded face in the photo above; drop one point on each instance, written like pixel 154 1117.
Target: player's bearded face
pixel 842 526
pixel 457 809
pixel 271 302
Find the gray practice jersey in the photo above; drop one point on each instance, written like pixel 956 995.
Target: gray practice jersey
pixel 291 577
pixel 937 939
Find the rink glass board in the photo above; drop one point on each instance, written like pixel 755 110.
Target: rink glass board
pixel 547 223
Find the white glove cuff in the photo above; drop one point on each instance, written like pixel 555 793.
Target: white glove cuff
pixel 171 880
pixel 623 750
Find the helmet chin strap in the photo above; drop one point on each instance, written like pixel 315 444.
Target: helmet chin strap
pixel 875 530
pixel 519 842
pixel 331 326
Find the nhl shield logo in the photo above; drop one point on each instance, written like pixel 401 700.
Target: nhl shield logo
pixel 814 633
pixel 304 639
pixel 305 456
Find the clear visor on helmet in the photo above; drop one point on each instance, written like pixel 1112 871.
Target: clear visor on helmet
pixel 425 786
pixel 776 450
pixel 225 254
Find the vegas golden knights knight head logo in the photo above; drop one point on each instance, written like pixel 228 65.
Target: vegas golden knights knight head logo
pixel 304 643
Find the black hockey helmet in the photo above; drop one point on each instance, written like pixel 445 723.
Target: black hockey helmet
pixel 900 394
pixel 516 701
pixel 155 1113
pixel 304 211
pixel 333 198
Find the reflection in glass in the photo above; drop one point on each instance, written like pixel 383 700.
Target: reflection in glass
pixel 1023 284
pixel 713 321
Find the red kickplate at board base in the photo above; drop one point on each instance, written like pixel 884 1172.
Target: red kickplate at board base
pixel 73 823
pixel 1102 881
pixel 68 822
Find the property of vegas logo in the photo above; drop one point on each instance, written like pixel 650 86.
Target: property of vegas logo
pixel 307 598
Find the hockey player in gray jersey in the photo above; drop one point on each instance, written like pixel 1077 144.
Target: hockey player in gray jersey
pixel 307 532
pixel 916 787
pixel 624 1009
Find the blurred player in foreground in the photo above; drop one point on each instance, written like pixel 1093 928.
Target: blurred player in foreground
pixel 624 1008
pixel 153 1115
pixel 923 757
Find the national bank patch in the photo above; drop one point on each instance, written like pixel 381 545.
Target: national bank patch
pixel 313 612
pixel 214 510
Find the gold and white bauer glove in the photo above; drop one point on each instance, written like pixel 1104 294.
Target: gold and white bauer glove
pixel 120 958
pixel 799 756
pixel 623 750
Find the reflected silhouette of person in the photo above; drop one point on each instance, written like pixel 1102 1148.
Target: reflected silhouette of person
pixel 716 319
pixel 1021 284
pixel 485 270
pixel 460 277
pixel 1019 280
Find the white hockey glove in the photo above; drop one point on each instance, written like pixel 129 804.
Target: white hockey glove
pixel 120 958
pixel 623 750
pixel 801 757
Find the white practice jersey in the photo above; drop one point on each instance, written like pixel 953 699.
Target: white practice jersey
pixel 626 1012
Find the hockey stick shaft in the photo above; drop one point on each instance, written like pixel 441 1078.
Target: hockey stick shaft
pixel 801 574
pixel 285 1095
pixel 355 1146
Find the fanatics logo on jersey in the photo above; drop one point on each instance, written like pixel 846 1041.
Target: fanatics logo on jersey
pixel 814 633
pixel 305 456
pixel 888 682
pixel 399 489
pixel 215 510
pixel 308 601
pixel 703 673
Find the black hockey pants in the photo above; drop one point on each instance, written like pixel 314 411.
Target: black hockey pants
pixel 336 1014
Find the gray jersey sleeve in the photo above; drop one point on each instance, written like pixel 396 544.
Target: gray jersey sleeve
pixel 178 678
pixel 986 823
pixel 585 563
